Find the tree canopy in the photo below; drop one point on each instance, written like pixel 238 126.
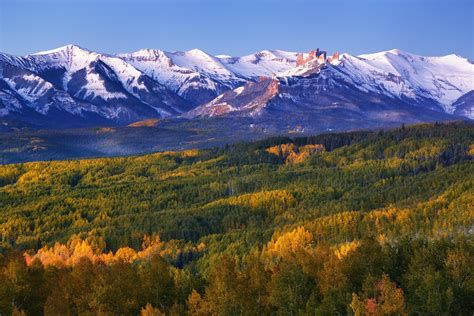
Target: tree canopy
pixel 359 223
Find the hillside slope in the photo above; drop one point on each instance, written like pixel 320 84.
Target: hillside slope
pixel 344 222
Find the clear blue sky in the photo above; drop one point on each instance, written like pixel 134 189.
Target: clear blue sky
pixel 427 27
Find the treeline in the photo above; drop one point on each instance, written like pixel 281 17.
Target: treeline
pixel 364 223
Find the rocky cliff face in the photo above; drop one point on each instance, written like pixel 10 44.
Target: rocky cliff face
pixel 248 100
pixel 318 55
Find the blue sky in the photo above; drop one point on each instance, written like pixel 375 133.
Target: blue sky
pixel 426 27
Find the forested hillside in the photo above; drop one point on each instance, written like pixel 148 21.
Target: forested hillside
pixel 360 223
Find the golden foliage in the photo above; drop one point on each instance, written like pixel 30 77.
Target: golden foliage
pixel 197 305
pixel 273 201
pixel 69 255
pixel 145 123
pixel 344 249
pixel 149 310
pixel 290 242
pixel 105 130
pixel 9 174
pixel 470 151
pixel 388 301
pixel 291 153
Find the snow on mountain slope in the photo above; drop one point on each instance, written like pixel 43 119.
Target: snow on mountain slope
pixel 109 83
pixel 20 87
pixel 355 84
pixel 443 79
pixel 142 87
pixel 74 59
pixel 200 61
pixel 265 63
pixel 154 84
pixel 370 78
pixel 74 62
pixel 194 75
pixel 198 76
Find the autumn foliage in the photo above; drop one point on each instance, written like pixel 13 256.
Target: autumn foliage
pixel 362 223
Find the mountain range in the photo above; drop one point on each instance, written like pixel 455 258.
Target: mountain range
pixel 74 87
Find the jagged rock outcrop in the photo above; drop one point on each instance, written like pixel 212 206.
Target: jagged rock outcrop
pixel 312 55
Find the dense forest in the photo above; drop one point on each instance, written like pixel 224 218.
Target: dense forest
pixel 358 223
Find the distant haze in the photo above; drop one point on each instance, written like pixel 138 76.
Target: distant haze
pixel 424 27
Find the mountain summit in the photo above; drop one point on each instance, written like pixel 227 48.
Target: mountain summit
pixel 71 86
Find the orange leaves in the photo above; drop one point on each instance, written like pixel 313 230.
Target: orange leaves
pixel 283 150
pixel 389 300
pixel 149 310
pixel 62 255
pixel 290 153
pixel 69 255
pixel 470 151
pixel 126 254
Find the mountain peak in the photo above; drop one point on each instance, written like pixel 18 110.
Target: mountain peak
pixel 397 51
pixel 145 53
pixel 148 51
pixel 69 47
pixel 197 52
pixel 455 57
pixel 266 53
pixel 384 54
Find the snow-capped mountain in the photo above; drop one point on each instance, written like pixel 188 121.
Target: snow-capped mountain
pixel 72 86
pixel 443 79
pixel 424 83
pixel 78 82
pixel 199 77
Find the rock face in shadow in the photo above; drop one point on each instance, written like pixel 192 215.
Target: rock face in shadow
pixel 464 106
